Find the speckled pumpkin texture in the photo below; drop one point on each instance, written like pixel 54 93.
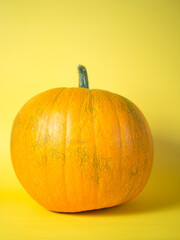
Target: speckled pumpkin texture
pixel 75 149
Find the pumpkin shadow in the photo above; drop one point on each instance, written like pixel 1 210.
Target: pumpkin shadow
pixel 162 190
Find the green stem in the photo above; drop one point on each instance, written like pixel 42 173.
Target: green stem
pixel 83 78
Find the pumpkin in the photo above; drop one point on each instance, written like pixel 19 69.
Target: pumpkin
pixel 75 149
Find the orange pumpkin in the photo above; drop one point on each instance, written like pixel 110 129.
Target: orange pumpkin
pixel 75 149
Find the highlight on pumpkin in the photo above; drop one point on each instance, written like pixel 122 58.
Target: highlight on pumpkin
pixel 75 150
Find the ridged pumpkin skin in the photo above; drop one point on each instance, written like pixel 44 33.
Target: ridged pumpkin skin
pixel 75 149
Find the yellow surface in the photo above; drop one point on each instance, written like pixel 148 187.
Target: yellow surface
pixel 130 48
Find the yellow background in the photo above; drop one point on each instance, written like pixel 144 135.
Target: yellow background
pixel 129 47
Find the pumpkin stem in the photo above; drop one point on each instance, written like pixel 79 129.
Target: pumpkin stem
pixel 83 78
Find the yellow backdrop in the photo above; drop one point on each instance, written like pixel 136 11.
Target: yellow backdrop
pixel 130 48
